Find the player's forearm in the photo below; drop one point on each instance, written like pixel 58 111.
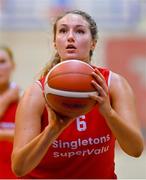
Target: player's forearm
pixel 28 157
pixel 129 138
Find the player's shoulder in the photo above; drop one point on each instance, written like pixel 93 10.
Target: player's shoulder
pixel 33 97
pixel 119 83
pixel 117 79
pixel 34 91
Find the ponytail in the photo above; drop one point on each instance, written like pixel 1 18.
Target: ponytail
pixel 50 65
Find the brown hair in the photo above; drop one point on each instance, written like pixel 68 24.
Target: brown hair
pixel 93 30
pixel 8 51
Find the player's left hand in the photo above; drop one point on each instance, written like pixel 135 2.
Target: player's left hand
pixel 102 96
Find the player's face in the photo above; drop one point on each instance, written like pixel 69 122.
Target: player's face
pixel 73 38
pixel 6 67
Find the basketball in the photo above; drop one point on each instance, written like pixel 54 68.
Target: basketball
pixel 67 88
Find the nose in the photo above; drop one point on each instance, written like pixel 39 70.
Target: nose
pixel 70 37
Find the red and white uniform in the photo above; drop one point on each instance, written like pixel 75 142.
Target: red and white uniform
pixel 85 149
pixel 7 121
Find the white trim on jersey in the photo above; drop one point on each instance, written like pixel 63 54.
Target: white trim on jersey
pixel 109 78
pixel 39 83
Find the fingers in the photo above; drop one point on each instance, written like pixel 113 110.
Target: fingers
pixel 51 112
pixel 100 85
pixel 96 98
pixel 56 117
pixel 100 93
pixel 99 89
pixel 100 80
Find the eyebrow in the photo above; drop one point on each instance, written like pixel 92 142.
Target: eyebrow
pixel 78 25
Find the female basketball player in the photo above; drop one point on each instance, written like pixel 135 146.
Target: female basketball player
pixel 9 95
pixel 53 147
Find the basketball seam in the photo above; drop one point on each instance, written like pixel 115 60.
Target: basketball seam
pixel 68 73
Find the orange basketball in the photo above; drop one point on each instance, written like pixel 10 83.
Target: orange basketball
pixel 67 88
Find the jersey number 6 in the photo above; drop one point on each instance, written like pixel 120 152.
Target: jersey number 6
pixel 81 124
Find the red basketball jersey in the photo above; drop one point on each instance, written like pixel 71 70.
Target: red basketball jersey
pixel 7 121
pixel 85 149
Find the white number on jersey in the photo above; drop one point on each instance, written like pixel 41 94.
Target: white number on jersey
pixel 81 124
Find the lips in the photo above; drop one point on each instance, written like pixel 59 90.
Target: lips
pixel 70 46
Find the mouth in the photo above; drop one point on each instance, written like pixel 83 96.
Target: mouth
pixel 70 47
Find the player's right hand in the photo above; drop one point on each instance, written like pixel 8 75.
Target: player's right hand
pixel 57 121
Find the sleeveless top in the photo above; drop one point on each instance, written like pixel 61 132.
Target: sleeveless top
pixel 85 149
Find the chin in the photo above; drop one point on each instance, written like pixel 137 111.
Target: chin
pixel 86 61
pixel 71 58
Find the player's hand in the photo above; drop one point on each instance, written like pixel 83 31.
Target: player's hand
pixel 102 96
pixel 57 121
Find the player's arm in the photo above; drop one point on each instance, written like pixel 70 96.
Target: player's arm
pixel 123 119
pixel 119 111
pixel 30 144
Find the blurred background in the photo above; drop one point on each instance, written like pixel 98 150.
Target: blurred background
pixel 26 27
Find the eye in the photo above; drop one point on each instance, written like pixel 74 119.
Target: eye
pixel 80 31
pixel 2 61
pixel 62 30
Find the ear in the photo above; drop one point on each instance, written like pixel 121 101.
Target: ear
pixel 93 45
